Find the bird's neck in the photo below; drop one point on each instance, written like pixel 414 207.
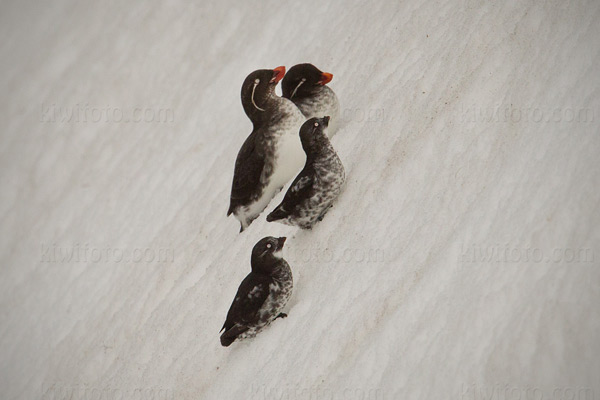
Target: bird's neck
pixel 314 149
pixel 260 108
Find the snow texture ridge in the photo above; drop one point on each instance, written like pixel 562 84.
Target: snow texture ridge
pixel 461 258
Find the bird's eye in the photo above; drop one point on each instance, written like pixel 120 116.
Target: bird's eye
pixel 303 79
pixel 268 245
pixel 316 124
pixel 257 81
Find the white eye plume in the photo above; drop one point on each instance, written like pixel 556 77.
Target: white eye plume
pixel 256 82
pixel 297 86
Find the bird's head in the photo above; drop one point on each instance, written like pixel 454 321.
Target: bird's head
pixel 312 133
pixel 258 91
pixel 303 80
pixel 266 254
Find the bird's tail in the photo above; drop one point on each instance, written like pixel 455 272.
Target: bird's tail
pixel 243 222
pixel 226 340
pixel 230 335
pixel 277 214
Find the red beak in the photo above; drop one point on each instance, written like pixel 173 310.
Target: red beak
pixel 278 74
pixel 326 77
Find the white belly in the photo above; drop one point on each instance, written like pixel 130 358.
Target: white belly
pixel 289 160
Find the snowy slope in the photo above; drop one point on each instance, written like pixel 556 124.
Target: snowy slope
pixel 461 261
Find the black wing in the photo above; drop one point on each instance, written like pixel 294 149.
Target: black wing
pixel 251 295
pixel 300 189
pixel 249 165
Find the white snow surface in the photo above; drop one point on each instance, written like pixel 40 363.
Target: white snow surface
pixel 461 131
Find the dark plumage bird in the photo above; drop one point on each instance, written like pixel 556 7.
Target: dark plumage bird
pixel 306 86
pixel 262 295
pixel 314 190
pixel 272 154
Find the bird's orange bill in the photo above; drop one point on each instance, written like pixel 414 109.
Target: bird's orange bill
pixel 278 74
pixel 326 77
